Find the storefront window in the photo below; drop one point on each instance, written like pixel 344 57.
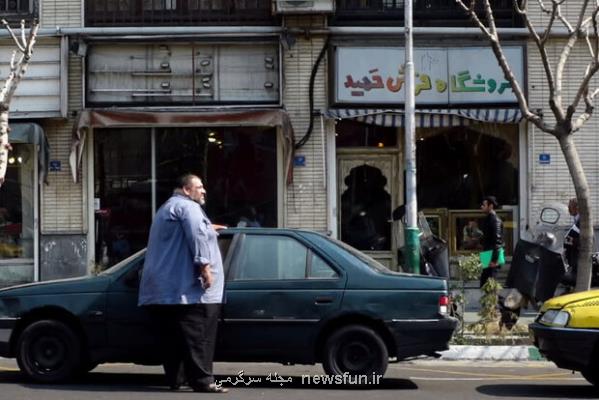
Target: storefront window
pixel 123 196
pixel 17 216
pixel 238 166
pixel 458 166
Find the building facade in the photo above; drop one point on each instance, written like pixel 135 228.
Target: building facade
pixel 291 112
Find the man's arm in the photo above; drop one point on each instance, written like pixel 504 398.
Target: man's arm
pixel 197 240
pixel 497 235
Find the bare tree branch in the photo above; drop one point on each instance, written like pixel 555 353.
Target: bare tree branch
pixel 23 32
pixel 18 67
pixel 547 32
pixel 491 34
pixel 470 11
pixel 557 7
pixel 541 47
pixel 583 87
pixel 12 34
pixel 561 64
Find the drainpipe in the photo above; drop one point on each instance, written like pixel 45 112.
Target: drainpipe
pixel 412 240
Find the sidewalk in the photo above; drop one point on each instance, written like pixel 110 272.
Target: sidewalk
pixel 501 352
pixel 492 353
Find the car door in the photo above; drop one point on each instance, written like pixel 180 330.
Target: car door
pixel 130 329
pixel 278 291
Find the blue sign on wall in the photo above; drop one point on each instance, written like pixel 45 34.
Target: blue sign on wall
pixel 544 158
pixel 299 161
pixel 55 165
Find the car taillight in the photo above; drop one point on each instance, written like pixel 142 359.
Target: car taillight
pixel 443 304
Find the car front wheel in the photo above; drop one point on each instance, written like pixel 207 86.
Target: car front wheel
pixel 355 350
pixel 48 351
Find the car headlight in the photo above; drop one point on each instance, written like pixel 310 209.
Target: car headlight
pixel 555 317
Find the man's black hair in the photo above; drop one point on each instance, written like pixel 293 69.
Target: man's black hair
pixel 185 180
pixel 491 200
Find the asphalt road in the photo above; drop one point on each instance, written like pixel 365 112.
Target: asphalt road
pixel 447 380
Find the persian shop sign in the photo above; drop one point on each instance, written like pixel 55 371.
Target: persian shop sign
pixel 374 75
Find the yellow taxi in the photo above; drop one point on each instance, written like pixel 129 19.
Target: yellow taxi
pixel 566 331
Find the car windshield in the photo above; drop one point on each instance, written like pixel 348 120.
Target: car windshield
pixel 120 265
pixel 369 261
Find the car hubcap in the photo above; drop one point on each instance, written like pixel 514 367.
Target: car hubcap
pixel 356 356
pixel 48 353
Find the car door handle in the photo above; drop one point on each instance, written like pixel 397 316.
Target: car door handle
pixel 95 313
pixel 323 300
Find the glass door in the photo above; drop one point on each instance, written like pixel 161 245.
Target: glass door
pixel 368 190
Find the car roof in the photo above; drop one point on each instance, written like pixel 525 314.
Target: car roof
pixel 273 231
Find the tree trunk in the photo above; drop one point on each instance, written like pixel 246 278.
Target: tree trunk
pixel 581 186
pixel 4 146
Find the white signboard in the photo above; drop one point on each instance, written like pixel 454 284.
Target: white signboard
pixel 375 75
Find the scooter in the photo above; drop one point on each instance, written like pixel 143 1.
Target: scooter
pixel 434 254
pixel 539 269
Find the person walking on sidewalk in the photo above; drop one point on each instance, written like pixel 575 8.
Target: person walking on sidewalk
pixel 572 240
pixel 492 237
pixel 183 283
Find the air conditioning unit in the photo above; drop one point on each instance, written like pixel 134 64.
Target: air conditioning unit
pixel 304 6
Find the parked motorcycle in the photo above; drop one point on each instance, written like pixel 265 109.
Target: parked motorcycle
pixel 539 266
pixel 434 254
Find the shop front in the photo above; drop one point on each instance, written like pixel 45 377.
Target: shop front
pixel 468 145
pixel 19 204
pixel 40 95
pixel 182 108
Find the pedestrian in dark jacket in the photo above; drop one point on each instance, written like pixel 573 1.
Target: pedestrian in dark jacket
pixel 572 239
pixel 492 237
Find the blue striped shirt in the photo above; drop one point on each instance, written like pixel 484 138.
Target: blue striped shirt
pixel 181 240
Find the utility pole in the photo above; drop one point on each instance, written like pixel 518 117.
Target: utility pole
pixel 412 234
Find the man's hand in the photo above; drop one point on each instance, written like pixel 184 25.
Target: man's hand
pixel 206 276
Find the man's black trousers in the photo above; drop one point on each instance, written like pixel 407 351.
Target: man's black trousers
pixel 189 338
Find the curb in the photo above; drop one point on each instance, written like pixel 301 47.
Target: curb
pixel 492 353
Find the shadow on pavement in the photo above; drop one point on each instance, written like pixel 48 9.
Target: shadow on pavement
pixel 136 382
pixel 100 382
pixel 540 390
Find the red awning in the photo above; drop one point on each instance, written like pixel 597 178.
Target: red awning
pixel 91 119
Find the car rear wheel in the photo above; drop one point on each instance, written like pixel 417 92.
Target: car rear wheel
pixel 355 350
pixel 48 351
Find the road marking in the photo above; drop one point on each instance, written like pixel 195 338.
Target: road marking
pixel 552 375
pixel 495 376
pixel 424 378
pixel 9 369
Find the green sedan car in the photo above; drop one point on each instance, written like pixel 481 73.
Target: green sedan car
pixel 292 296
